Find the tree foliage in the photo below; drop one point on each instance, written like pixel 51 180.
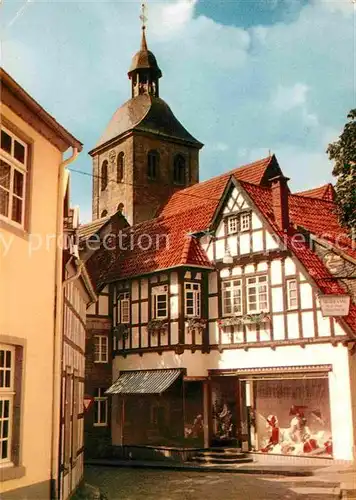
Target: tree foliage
pixel 343 152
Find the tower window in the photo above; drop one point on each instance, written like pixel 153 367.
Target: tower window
pixel 152 164
pixel 104 175
pixel 104 213
pixel 179 169
pixel 120 167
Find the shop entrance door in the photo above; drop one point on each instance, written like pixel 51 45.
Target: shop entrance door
pixel 225 412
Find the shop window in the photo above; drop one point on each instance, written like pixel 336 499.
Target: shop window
pixel 124 308
pixel 179 168
pixel 104 175
pixel 13 176
pixel 100 408
pixel 120 167
pixel 160 302
pixel 100 349
pixel 232 224
pixel 292 294
pixel 257 294
pixel 232 297
pixel 152 164
pixel 192 300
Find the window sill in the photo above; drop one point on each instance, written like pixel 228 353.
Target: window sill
pixel 11 472
pixel 100 425
pixel 14 228
pixel 101 362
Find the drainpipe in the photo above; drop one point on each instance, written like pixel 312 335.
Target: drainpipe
pixel 58 337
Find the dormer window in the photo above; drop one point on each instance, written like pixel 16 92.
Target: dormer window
pixel 179 167
pixel 152 165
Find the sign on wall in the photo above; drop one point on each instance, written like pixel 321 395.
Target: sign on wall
pixel 334 305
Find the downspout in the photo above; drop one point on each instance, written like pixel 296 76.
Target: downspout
pixel 58 337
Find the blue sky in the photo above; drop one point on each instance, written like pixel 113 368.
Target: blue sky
pixel 244 77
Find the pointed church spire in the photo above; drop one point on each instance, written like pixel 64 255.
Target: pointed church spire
pixel 143 20
pixel 144 72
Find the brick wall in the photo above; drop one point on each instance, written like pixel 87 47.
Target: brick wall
pixel 140 196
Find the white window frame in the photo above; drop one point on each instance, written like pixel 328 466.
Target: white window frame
pixel 22 168
pixel 98 400
pixel 233 224
pixel 194 289
pixel 228 288
pixel 292 294
pixel 124 301
pixel 7 394
pixel 245 221
pixel 101 349
pixel 157 312
pixel 260 283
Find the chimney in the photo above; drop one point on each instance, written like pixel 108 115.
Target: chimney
pixel 280 203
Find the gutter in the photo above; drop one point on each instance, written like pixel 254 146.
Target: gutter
pixel 58 337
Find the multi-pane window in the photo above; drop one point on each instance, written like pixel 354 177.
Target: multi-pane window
pixel 232 224
pixel 124 308
pixel 192 300
pixel 245 222
pixel 100 349
pixel 232 297
pixel 7 392
pixel 100 408
pixel 13 171
pixel 257 294
pixel 292 294
pixel 160 302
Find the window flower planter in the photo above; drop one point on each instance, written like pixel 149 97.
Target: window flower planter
pixel 157 325
pixel 247 319
pixel 121 332
pixel 195 324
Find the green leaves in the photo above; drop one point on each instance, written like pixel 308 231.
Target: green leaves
pixel 343 152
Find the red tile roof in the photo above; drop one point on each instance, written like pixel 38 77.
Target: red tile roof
pixel 213 189
pixel 162 243
pixel 326 192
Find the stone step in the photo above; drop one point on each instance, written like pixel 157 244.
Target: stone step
pixel 221 460
pixel 222 456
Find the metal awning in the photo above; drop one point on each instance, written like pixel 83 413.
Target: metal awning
pixel 144 381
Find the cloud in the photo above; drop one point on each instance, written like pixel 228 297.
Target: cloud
pixel 285 87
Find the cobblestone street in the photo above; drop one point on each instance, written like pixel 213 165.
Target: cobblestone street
pixel 139 484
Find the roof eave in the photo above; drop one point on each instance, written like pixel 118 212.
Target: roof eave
pixel 39 111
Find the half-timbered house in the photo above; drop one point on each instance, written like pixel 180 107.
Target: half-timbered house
pixel 217 334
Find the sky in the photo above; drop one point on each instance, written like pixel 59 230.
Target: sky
pixel 245 77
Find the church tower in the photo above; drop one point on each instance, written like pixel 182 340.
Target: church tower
pixel 145 154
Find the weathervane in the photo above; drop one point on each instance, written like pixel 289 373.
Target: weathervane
pixel 143 16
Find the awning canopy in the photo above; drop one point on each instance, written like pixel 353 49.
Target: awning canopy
pixel 144 381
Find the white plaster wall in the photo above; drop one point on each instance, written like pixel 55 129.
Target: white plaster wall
pixel 134 290
pixel 257 241
pixel 213 282
pixel 276 272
